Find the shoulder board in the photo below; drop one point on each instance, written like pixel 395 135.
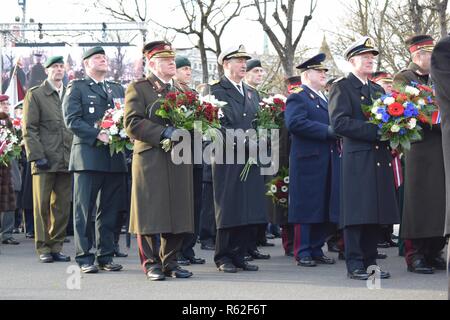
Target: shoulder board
pixel 297 90
pixel 75 81
pixel 214 82
pixel 33 88
pixel 339 79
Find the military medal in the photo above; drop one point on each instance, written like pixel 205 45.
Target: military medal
pixel 249 95
pixel 91 109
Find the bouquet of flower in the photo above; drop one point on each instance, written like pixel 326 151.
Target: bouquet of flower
pixel 17 125
pixel 397 116
pixel 9 145
pixel 112 125
pixel 269 116
pixel 278 188
pixel 186 110
pixel 423 96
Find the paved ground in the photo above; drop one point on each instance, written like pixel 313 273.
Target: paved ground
pixel 23 277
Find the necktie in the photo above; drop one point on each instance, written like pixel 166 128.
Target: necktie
pixel 168 86
pixel 102 85
pixel 239 89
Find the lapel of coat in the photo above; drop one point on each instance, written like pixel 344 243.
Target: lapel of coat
pixel 50 92
pixel 317 100
pixel 96 88
pixel 363 90
pixel 232 92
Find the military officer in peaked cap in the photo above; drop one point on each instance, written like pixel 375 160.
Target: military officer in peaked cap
pixel 314 165
pixel 96 172
pixel 239 205
pixel 423 216
pixel 367 189
pixel 162 200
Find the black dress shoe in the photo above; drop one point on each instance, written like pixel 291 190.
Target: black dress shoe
pixel 248 258
pixel 182 261
pixel 46 258
pixel 341 256
pixel 324 260
pixel 209 247
pixel 11 241
pixel 66 240
pixel 384 275
pixel 110 266
pixel 358 275
pixel 270 236
pixel 393 244
pixel 248 267
pixel 119 254
pixel 155 274
pixel 195 260
pixel 381 256
pixel 89 268
pixel 420 266
pixel 29 235
pixel 259 256
pixel 60 257
pixel 178 273
pixel 227 268
pixel 267 244
pixel 306 262
pixel 438 263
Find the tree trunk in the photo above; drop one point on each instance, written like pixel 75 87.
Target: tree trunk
pixel 204 58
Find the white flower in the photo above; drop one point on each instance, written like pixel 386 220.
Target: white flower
pixel 123 134
pixel 284 189
pixel 113 130
pixel 286 180
pixel 374 110
pixel 412 90
pixel 412 123
pixel 421 102
pixel 388 101
pixel 268 100
pixel 117 116
pixel 273 188
pixel 212 100
pixel 395 128
pixel 220 114
pixel 183 108
pixel 14 139
pixel 379 116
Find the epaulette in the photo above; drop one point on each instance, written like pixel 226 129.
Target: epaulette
pixel 214 82
pixel 33 88
pixel 74 81
pixel 339 79
pixel 297 90
pixel 113 82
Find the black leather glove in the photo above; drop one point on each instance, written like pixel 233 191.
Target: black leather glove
pixel 167 133
pixel 42 164
pixel 330 133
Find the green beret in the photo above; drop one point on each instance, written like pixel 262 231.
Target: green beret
pixel 181 62
pixel 89 53
pixel 52 60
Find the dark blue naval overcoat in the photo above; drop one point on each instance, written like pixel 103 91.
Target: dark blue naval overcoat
pixel 314 160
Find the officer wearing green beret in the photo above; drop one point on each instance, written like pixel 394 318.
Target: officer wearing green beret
pixel 96 172
pixel 47 143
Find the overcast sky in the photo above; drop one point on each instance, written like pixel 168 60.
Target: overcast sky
pixel 242 29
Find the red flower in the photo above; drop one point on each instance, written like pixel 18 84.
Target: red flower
pixel 396 109
pixel 424 88
pixel 106 124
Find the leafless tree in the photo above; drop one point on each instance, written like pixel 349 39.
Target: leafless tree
pixel 283 13
pixel 204 19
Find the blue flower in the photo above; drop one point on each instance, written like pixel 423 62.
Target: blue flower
pixel 430 100
pixel 414 83
pixel 380 126
pixel 386 117
pixel 402 132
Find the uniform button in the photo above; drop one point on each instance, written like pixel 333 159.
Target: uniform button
pixel 167 125
pixel 318 107
pixel 362 98
pixel 377 147
pixel 332 151
pixel 390 164
pixel 379 164
pixel 244 114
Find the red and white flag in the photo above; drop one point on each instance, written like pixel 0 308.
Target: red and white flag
pixel 15 92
